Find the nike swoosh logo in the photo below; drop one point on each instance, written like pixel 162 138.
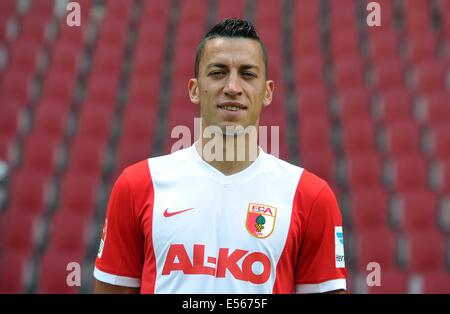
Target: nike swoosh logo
pixel 167 214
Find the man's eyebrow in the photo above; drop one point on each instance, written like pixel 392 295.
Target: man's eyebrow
pixel 216 65
pixel 224 66
pixel 249 66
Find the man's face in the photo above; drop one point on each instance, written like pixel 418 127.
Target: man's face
pixel 231 87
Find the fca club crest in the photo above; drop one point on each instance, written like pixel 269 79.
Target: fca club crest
pixel 260 220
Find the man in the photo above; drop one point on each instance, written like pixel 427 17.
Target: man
pixel 197 222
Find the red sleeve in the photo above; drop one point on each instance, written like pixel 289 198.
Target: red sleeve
pixel 121 254
pixel 320 266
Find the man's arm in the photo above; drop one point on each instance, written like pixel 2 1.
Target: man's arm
pixel 336 292
pixel 106 288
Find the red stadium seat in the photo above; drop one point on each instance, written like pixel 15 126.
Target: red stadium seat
pixel 349 72
pixel 383 44
pixel 86 157
pixel 102 89
pixel 395 105
pixel 418 211
pixel 65 59
pixel 40 154
pixel 309 71
pixel 119 10
pixel 394 281
pixel 28 193
pixel 436 282
pixel 5 21
pixel 312 102
pixel 402 137
pixel 320 162
pixel 376 245
pixel 344 42
pixel 422 46
pixel 108 59
pixel 78 194
pixel 24 56
pixel 306 44
pixel 147 63
pixel 17 87
pixel 132 151
pixel 445 8
pixel 18 234
pixel 193 9
pixel 9 120
pixel 437 108
pixel 342 14
pixel 139 123
pixel 425 251
pixel 441 141
pixel 314 133
pixel 388 74
pixel 8 7
pixel 227 8
pixel 112 32
pixel 68 232
pixel 429 76
pixel 6 144
pixel 59 87
pixel 354 104
pixel 34 28
pixel 54 274
pixel 409 173
pixel 369 208
pixel 13 272
pixel 358 136
pixel 444 171
pixel 51 121
pixel 95 123
pixel 156 12
pixel 43 9
pixel 144 90
pixel 150 35
pixel 359 175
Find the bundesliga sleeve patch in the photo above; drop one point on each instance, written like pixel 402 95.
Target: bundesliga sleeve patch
pixel 103 239
pixel 339 247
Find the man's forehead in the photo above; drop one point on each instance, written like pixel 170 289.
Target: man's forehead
pixel 236 50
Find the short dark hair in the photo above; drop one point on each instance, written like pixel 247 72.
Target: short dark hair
pixel 230 28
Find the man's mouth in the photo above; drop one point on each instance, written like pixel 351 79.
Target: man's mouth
pixel 231 106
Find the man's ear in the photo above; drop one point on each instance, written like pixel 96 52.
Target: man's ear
pixel 194 93
pixel 269 93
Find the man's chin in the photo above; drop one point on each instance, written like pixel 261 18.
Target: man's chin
pixel 237 129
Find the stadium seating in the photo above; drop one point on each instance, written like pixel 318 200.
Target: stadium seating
pixel 369 208
pixel 13 273
pixel 376 245
pixel 425 251
pixel 365 108
pixel 53 274
pixel 418 212
pixel 436 282
pixel 395 105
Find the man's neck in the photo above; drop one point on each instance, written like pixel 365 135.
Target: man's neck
pixel 237 152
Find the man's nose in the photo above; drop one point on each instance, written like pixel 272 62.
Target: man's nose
pixel 233 85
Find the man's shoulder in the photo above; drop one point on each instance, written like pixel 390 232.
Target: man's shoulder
pixel 308 182
pixel 280 166
pixel 143 169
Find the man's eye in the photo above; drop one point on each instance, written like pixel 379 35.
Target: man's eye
pixel 216 73
pixel 249 74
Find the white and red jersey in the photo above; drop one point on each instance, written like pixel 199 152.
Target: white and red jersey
pixel 175 224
